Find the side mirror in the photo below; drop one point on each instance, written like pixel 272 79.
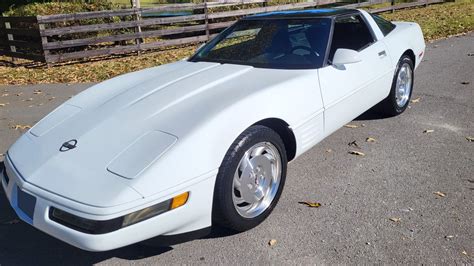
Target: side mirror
pixel 345 56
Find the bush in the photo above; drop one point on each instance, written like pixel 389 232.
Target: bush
pixel 51 8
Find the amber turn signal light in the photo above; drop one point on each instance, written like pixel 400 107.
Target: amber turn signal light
pixel 179 200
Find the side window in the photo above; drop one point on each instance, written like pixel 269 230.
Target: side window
pixel 385 26
pixel 350 32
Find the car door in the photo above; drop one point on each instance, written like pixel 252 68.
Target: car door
pixel 351 89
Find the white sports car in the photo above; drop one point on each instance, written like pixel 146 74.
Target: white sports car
pixel 206 140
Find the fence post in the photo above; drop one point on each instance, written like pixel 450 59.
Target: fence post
pixel 392 3
pixel 10 38
pixel 206 19
pixel 44 40
pixel 136 5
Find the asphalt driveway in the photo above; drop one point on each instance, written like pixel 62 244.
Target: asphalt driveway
pixel 408 200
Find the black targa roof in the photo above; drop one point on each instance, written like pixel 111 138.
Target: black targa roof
pixel 308 13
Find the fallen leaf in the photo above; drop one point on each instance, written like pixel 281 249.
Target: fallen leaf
pixel 362 125
pixel 272 242
pixel 351 126
pixel 464 252
pixel 3 104
pixel 16 127
pixel 449 237
pixel 52 98
pixel 465 82
pixel 328 150
pixel 29 99
pixel 37 92
pixel 310 204
pixel 428 131
pixel 439 193
pixel 357 153
pixel 470 139
pixel 353 144
pixel 19 94
pixel 417 100
pixel 395 219
pixel 5 94
pixel 370 139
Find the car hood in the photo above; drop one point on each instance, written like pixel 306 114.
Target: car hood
pixel 120 127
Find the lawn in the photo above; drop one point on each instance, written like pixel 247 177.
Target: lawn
pixel 437 21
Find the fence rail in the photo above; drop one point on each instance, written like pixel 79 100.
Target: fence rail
pixel 65 37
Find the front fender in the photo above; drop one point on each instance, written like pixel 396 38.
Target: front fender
pixel 205 135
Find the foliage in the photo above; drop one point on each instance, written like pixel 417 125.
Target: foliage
pixel 51 8
pixel 91 71
pixel 441 20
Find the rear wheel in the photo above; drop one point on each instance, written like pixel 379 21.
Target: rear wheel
pixel 250 179
pixel 402 86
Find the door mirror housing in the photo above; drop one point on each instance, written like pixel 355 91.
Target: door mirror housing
pixel 346 56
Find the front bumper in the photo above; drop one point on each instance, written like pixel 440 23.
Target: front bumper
pixel 33 204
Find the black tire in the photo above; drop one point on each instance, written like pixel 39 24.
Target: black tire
pixel 389 106
pixel 224 213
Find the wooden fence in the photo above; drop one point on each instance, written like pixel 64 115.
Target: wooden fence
pixel 65 37
pixel 20 38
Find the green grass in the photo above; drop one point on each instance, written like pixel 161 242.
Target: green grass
pixel 143 3
pixel 436 21
pixel 440 20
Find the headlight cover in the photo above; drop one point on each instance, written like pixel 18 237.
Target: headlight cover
pixel 97 227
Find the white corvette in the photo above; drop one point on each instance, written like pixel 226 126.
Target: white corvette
pixel 179 147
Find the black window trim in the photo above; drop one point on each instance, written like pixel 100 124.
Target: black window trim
pixel 384 35
pixel 367 24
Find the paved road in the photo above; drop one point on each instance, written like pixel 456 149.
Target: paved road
pixel 359 195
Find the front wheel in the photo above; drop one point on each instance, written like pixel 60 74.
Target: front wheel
pixel 402 86
pixel 250 179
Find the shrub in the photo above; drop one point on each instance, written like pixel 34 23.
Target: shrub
pixel 51 8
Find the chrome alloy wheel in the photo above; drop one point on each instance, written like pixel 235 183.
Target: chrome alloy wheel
pixel 256 179
pixel 404 83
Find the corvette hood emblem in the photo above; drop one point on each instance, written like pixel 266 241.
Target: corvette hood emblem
pixel 68 145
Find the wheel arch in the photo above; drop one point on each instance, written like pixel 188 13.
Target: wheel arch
pixel 410 54
pixel 286 134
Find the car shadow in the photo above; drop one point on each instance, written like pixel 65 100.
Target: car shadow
pixel 370 114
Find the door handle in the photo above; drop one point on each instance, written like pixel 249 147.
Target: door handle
pixel 382 53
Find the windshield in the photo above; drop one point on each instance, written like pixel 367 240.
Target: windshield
pixel 270 43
